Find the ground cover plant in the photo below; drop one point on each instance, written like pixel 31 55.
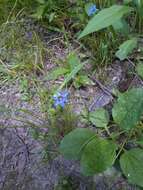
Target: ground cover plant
pixel 95 153
pixel 94 36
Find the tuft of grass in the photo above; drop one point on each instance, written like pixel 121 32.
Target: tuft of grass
pixel 22 53
pixel 10 8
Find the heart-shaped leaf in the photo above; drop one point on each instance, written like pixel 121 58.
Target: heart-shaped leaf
pixel 74 142
pixel 132 166
pixel 129 108
pixel 98 155
pixel 99 118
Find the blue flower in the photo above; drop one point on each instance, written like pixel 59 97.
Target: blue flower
pixel 92 10
pixel 60 99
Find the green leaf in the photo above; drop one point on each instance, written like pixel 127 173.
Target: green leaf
pixel 139 5
pixel 73 143
pixel 98 155
pixel 71 75
pixel 121 26
pixel 41 1
pixel 105 18
pixel 73 60
pixel 127 1
pixel 128 109
pixel 56 73
pixel 82 80
pixel 39 12
pixel 132 166
pixel 139 141
pixel 139 69
pixel 99 118
pixel 51 17
pixel 126 48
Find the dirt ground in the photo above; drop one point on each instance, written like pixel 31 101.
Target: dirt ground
pixel 21 165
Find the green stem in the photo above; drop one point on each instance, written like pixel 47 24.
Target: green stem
pixel 122 147
pixel 123 144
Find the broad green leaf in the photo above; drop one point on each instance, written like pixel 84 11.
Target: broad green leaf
pixel 73 60
pixel 105 18
pixel 126 48
pixel 73 143
pixel 132 166
pixel 139 69
pixel 121 26
pixel 128 109
pixel 98 155
pixel 57 73
pixel 99 118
